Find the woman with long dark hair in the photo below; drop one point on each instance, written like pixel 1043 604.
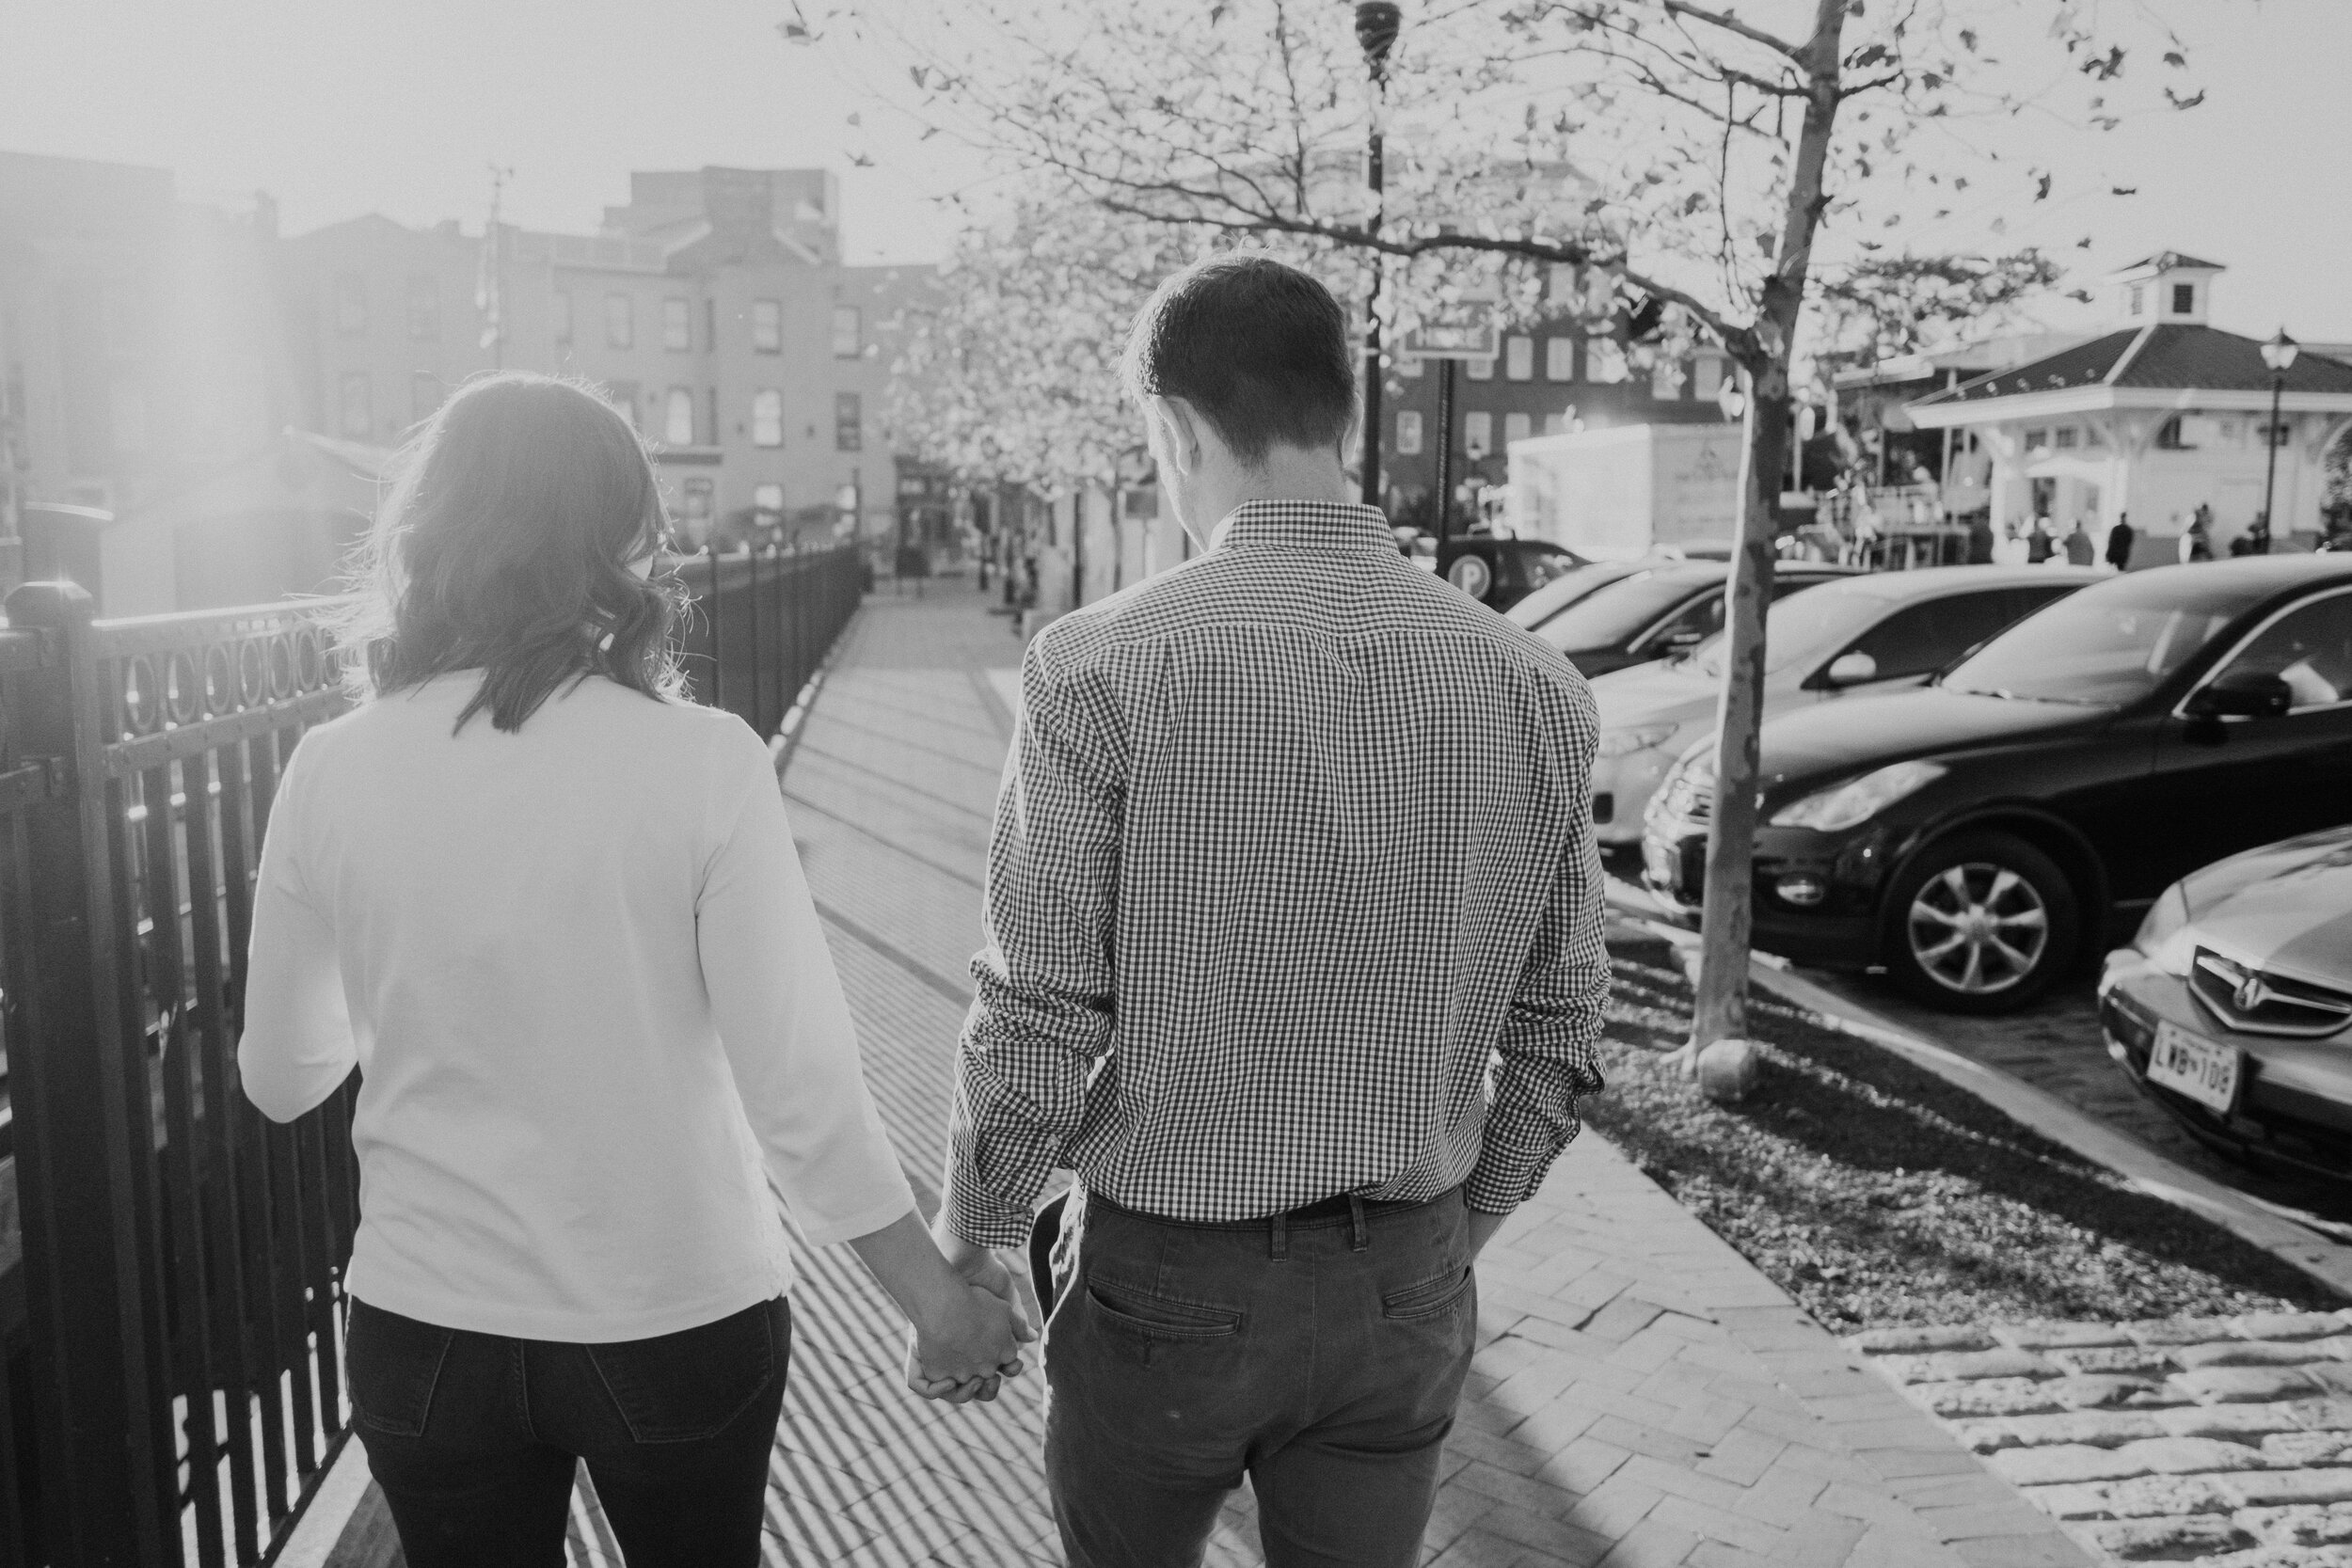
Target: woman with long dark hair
pixel 554 915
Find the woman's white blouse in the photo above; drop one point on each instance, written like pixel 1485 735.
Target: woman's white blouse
pixel 579 969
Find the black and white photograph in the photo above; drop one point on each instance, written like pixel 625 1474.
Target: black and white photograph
pixel 1175 784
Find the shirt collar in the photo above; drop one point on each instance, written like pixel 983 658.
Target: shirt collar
pixel 1305 525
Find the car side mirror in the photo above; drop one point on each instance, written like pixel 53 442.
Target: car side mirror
pixel 1851 669
pixel 2242 694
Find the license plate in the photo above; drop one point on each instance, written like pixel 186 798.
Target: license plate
pixel 1658 860
pixel 2204 1071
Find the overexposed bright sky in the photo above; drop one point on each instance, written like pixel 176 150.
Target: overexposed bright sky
pixel 398 106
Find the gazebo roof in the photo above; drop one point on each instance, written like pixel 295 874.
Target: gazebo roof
pixel 2178 357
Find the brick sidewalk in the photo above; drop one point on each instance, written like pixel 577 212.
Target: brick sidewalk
pixel 1641 1396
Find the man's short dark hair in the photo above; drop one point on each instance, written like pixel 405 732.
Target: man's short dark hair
pixel 1259 348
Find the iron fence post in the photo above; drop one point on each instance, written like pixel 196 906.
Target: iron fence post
pixel 109 1483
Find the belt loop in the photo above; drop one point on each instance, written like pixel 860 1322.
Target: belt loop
pixel 1359 1238
pixel 1278 1236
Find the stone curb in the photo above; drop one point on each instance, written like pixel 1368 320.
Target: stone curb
pixel 2248 1218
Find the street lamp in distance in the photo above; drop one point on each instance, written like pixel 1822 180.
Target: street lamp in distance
pixel 1377 25
pixel 2279 354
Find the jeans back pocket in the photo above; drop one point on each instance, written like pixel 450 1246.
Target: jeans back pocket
pixel 691 1386
pixel 391 1366
pixel 1431 1298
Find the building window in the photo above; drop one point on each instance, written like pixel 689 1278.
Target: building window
pixel 767 418
pixel 2169 437
pixel 2036 439
pixel 697 507
pixel 849 422
pixel 1559 358
pixel 1518 358
pixel 623 396
pixel 1479 370
pixel 2134 301
pixel 2183 299
pixel 1413 365
pixel 1557 425
pixel 1707 375
pixel 1478 435
pixel 1665 380
pixel 425 309
pixel 1564 282
pixel 2065 438
pixel 559 312
pixel 1407 432
pixel 1517 427
pixel 768 498
pixel 1604 360
pixel 359 416
pixel 767 327
pixel 620 320
pixel 424 395
pixel 678 326
pixel 351 305
pixel 677 418
pixel 849 332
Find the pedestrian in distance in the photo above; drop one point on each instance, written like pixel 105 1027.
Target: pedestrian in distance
pixel 1981 539
pixel 2079 549
pixel 554 914
pixel 1294 954
pixel 2119 541
pixel 2197 539
pixel 2041 544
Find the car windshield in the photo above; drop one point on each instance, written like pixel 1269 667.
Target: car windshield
pixel 1618 611
pixel 1799 629
pixel 2111 644
pixel 1565 590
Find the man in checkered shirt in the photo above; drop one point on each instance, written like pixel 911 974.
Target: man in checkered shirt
pixel 1294 957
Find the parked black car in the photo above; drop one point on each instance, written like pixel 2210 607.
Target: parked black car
pixel 1977 836
pixel 1497 573
pixel 1665 607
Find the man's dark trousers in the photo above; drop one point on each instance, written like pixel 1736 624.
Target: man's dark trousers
pixel 1322 1354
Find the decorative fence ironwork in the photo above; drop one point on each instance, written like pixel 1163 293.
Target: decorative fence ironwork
pixel 173 1318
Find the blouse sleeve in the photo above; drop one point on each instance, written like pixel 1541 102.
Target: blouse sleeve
pixel 297 1046
pixel 785 1023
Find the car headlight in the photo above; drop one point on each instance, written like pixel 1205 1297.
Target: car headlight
pixel 1857 800
pixel 2165 935
pixel 1621 743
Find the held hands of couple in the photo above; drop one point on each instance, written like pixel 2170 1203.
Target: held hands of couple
pixel 974 1343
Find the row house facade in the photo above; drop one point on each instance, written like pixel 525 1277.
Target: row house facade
pixel 712 310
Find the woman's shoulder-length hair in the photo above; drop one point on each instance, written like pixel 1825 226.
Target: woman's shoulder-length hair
pixel 506 545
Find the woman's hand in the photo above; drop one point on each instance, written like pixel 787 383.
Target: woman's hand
pixel 966 1348
pixel 967 1333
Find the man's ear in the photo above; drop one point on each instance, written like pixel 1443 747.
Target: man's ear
pixel 1178 426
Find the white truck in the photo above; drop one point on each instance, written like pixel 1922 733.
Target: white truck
pixel 1622 493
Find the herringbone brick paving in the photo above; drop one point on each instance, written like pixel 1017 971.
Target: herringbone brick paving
pixel 1643 1396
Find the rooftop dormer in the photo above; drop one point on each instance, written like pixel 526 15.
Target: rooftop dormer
pixel 2167 288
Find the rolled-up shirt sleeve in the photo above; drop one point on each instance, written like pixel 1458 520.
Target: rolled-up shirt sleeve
pixel 297 1045
pixel 785 1024
pixel 1545 1058
pixel 1043 1012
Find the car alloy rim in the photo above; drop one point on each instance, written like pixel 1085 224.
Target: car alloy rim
pixel 1979 928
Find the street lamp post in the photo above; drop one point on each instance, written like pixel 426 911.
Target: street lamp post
pixel 1377 23
pixel 2279 354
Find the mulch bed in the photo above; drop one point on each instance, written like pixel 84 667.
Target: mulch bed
pixel 1877 1194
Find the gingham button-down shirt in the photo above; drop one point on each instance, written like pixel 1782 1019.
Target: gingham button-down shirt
pixel 1293 893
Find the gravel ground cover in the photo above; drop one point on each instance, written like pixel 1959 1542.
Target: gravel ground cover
pixel 1877 1194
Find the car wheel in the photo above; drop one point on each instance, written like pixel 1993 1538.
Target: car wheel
pixel 1980 923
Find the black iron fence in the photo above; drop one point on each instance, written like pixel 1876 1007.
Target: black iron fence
pixel 170 1261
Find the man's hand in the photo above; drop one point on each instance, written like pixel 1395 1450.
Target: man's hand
pixel 1482 1227
pixel 964 1347
pixel 985 1268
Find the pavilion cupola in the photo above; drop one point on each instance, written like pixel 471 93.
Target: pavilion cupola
pixel 2167 288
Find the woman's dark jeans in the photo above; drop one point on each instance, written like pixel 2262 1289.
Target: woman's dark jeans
pixel 473 1437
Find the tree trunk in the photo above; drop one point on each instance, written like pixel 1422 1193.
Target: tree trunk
pixel 1721 1011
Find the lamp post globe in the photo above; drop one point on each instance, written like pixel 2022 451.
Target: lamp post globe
pixel 2279 354
pixel 1377 25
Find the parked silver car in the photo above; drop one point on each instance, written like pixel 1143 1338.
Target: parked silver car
pixel 2232 1007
